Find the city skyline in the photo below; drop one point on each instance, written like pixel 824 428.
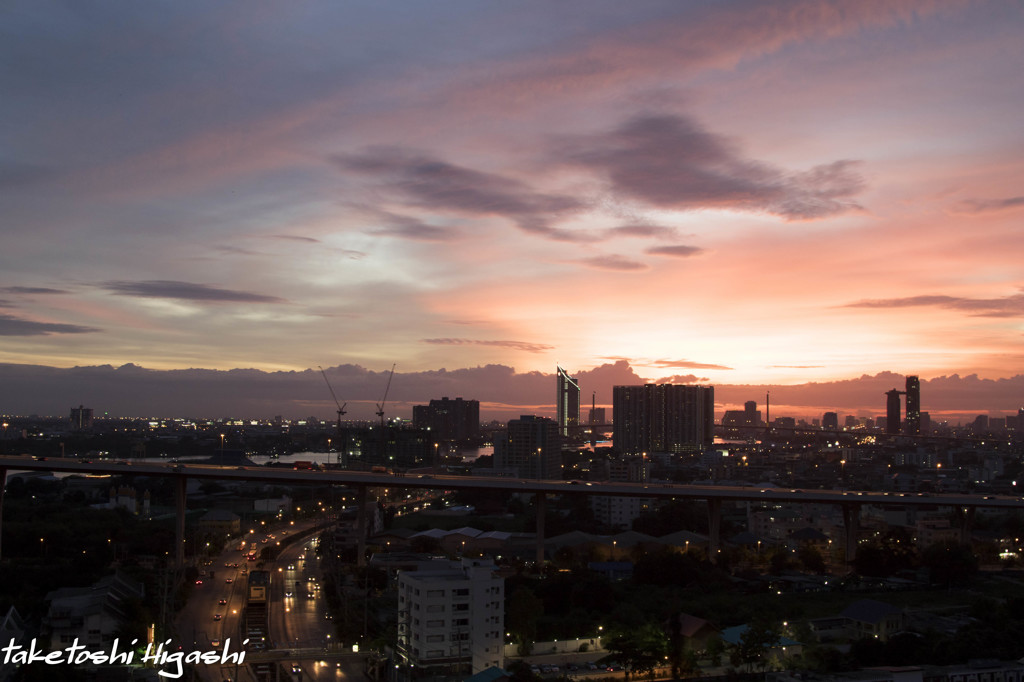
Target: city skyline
pixel 729 193
pixel 500 391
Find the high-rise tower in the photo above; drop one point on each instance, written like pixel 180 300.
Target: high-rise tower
pixel 892 411
pixel 568 402
pixel 913 424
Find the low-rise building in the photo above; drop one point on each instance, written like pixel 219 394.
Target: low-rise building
pixel 451 617
pixel 92 615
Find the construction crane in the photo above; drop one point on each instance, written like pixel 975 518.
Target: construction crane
pixel 341 408
pixel 380 405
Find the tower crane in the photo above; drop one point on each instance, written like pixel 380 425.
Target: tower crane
pixel 341 408
pixel 380 405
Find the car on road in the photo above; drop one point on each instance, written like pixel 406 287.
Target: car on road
pixel 222 602
pixel 217 616
pixel 229 580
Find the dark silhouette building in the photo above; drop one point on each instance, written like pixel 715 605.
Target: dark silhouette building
pixel 532 446
pixel 912 426
pixel 893 411
pixel 449 420
pixel 81 418
pixel 663 418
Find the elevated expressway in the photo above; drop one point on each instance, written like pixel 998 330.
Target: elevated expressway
pixel 850 501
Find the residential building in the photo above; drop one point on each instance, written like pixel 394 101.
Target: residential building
pixel 448 420
pixel 663 418
pixel 93 615
pixel 531 446
pixel 451 617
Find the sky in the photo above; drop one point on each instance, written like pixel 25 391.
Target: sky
pixel 729 192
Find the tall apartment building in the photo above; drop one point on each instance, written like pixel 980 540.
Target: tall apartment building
pixel 81 418
pixel 532 446
pixel 663 418
pixel 451 617
pixel 912 426
pixel 449 419
pixel 893 411
pixel 567 402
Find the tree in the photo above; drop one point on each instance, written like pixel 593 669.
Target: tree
pixel 522 612
pixel 716 647
pixel 950 563
pixel 811 559
pixel 756 640
pixel 638 650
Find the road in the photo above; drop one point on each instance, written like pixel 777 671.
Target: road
pixel 653 489
pixel 212 617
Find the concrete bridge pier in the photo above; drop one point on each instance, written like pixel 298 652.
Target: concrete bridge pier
pixel 180 487
pixel 361 525
pixel 714 529
pixel 851 521
pixel 966 517
pixel 541 505
pixel 3 487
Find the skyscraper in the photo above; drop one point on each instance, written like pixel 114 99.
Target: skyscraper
pixel 567 402
pixel 913 425
pixel 663 418
pixel 893 411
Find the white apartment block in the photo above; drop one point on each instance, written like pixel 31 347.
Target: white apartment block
pixel 451 616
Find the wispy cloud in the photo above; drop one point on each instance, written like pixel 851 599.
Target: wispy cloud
pixel 514 345
pixel 33 290
pixel 685 364
pixel 989 205
pixel 18 326
pixel 297 238
pixel 678 251
pixel 612 262
pixel 1008 306
pixel 672 162
pixel 642 230
pixel 186 291
pixel 431 183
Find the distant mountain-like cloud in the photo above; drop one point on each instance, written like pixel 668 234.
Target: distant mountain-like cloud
pixel 186 291
pixel 134 391
pixel 1007 306
pixel 18 326
pixel 672 162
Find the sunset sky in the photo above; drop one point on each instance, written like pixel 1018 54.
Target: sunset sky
pixel 731 192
